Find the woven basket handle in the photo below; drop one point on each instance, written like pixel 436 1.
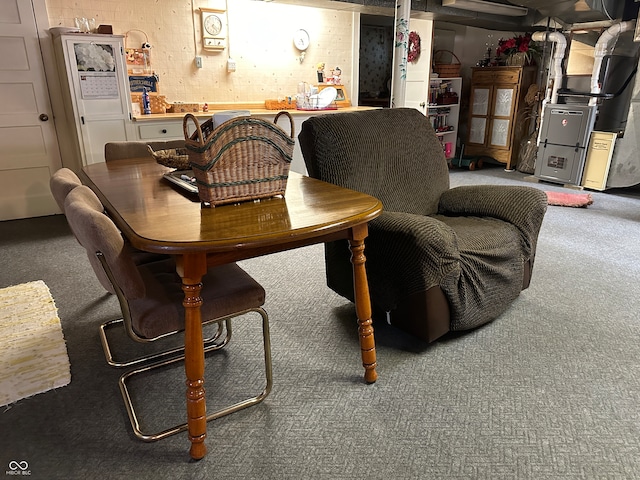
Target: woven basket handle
pixel 284 112
pixel 448 51
pixel 185 120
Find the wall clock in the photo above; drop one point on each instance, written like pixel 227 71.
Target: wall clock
pixel 301 39
pixel 214 24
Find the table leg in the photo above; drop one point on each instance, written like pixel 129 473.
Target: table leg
pixel 191 268
pixel 363 302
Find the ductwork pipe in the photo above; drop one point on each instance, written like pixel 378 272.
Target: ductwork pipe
pixel 601 49
pixel 561 45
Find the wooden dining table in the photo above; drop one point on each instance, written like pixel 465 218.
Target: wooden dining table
pixel 158 216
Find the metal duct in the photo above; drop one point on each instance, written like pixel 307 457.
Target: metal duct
pixel 575 11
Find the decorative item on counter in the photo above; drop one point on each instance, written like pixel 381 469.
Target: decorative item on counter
pixel 157 103
pixel 486 60
pixel 315 99
pixel 138 59
pixel 519 51
pixel 320 71
pixel 205 107
pixel 181 107
pixel 244 158
pixel 85 25
pixel 177 158
pixel 288 103
pixel 414 47
pixel 336 77
pixel 105 29
pixel 146 103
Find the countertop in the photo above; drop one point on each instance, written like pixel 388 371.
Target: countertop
pixel 254 111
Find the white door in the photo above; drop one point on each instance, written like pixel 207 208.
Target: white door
pixel 27 133
pixel 417 83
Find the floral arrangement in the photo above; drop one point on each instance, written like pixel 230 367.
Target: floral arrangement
pixel 519 44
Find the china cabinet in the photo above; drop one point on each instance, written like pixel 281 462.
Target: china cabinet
pixel 497 97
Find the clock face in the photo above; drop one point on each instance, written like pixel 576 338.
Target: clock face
pixel 301 39
pixel 213 24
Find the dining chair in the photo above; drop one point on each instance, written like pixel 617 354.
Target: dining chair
pixel 61 183
pixel 150 297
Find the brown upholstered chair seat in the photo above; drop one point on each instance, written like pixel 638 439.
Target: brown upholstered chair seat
pixel 228 289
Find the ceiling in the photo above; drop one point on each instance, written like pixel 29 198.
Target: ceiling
pixel 558 13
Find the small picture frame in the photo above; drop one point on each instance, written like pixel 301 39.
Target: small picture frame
pixel 342 100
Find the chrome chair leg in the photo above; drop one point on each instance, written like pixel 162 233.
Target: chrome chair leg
pixel 210 344
pixel 152 437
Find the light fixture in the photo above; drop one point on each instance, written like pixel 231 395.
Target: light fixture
pixel 487 7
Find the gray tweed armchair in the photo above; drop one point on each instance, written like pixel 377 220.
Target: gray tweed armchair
pixel 438 258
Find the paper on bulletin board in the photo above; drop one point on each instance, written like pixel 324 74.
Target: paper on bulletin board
pixel 98 85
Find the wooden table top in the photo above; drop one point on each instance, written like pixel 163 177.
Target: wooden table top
pixel 158 216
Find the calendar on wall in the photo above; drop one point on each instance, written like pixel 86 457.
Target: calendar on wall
pixel 98 84
pixel 96 66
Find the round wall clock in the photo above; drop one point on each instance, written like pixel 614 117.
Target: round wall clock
pixel 301 39
pixel 212 24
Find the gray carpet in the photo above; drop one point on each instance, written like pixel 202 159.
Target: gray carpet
pixel 550 390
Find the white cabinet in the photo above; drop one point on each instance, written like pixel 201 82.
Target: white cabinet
pixel 444 111
pixel 96 94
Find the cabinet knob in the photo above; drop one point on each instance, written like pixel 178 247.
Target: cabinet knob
pixel 422 104
pixel 43 117
pixel 164 130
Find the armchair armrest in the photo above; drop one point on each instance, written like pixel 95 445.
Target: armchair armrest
pixel 521 206
pixel 399 243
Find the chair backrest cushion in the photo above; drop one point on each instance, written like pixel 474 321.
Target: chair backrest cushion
pixel 61 183
pixel 392 154
pixel 96 232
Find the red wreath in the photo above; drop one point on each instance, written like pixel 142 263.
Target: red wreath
pixel 414 47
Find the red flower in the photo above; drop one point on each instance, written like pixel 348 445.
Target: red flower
pixel 521 43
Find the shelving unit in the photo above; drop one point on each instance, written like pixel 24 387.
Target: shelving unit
pixel 444 111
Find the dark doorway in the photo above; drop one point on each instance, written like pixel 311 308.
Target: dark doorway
pixel 376 60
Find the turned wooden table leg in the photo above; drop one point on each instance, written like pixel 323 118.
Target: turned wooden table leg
pixel 363 302
pixel 191 268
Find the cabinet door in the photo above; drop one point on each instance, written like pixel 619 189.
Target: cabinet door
pixel 99 92
pixel 480 112
pixel 502 113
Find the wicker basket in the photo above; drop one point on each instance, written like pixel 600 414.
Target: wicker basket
pixel 446 70
pixel 157 103
pixel 177 158
pixel 183 107
pixel 244 158
pixel 289 104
